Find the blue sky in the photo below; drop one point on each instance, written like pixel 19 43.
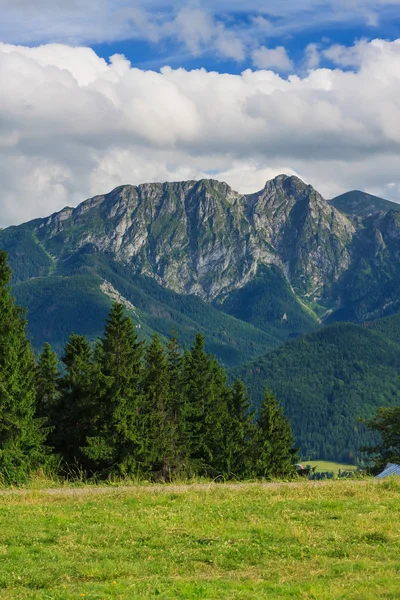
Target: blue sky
pixel 216 35
pixel 324 32
pixel 98 93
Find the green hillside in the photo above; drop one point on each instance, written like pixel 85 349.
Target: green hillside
pixel 326 381
pixel 72 300
pixel 389 327
pixel 269 303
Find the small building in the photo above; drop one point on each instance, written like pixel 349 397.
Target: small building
pixel 389 470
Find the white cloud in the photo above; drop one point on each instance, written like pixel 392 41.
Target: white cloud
pixel 198 25
pixel 74 125
pixel 312 56
pixel 272 58
pixel 195 27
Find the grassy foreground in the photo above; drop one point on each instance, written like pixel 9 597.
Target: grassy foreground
pixel 305 541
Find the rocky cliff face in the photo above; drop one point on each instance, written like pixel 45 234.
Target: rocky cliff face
pixel 311 237
pixel 204 238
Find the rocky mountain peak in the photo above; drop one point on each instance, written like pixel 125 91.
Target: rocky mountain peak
pixel 290 184
pixel 202 237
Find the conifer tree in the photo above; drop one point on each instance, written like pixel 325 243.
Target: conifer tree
pixel 160 425
pixel 239 431
pixel 205 408
pixel 117 445
pixel 21 434
pixel 175 376
pixel 175 362
pixel 273 441
pixel 73 415
pixel 217 418
pixel 47 379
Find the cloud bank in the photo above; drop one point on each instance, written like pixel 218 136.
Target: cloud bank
pixel 74 125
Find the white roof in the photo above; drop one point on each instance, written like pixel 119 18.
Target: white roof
pixel 390 469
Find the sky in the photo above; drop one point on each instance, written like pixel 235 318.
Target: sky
pixel 100 93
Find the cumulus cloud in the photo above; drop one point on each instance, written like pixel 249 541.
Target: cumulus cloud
pixel 74 125
pixel 272 58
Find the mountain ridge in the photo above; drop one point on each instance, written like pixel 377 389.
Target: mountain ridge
pixel 281 260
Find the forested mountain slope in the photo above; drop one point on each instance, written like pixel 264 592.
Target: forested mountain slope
pixel 326 381
pixel 79 298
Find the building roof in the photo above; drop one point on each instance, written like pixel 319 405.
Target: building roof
pixel 390 469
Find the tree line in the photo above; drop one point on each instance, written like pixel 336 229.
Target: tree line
pixel 124 408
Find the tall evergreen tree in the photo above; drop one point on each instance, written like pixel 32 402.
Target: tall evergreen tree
pixel 175 362
pixel 161 426
pixel 273 441
pixel 205 408
pixel 73 414
pixel 175 376
pixel 47 379
pixel 217 418
pixel 21 434
pixel 239 431
pixel 117 445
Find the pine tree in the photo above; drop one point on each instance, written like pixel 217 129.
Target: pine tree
pixel 73 414
pixel 22 435
pixel 117 445
pixel 239 433
pixel 176 386
pixel 161 427
pixel 217 418
pixel 47 379
pixel 273 454
pixel 175 376
pixel 205 409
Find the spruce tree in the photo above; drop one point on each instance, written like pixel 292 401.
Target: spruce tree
pixel 239 433
pixel 47 379
pixel 175 376
pixel 117 445
pixel 205 409
pixel 217 418
pixel 160 425
pixel 177 395
pixel 273 441
pixel 73 414
pixel 21 434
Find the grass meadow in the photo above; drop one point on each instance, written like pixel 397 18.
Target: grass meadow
pixel 330 540
pixel 324 465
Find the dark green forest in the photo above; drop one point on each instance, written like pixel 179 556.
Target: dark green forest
pixel 327 381
pixel 122 407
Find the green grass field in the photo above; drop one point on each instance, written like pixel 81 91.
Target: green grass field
pixel 304 541
pixel 324 465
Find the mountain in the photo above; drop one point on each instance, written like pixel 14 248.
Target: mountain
pixel 249 271
pixel 361 204
pixel 370 288
pixel 327 381
pixel 77 297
